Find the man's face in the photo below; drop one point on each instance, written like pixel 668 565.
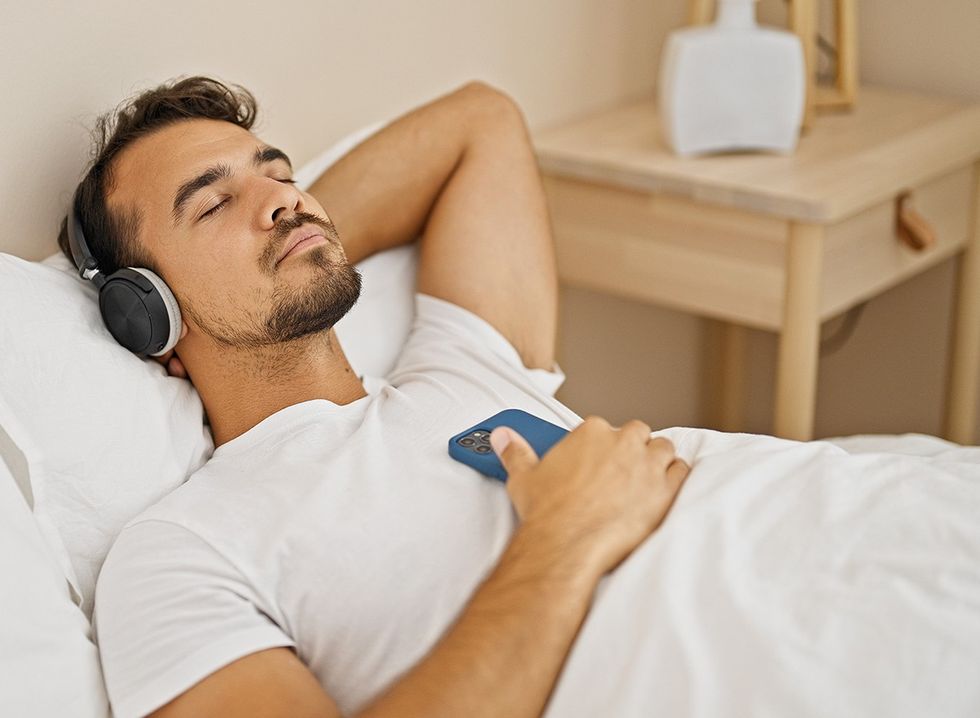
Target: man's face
pixel 217 217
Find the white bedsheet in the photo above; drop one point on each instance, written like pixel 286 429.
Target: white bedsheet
pixel 794 580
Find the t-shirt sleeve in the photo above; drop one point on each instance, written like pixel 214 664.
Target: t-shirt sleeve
pixel 169 611
pixel 441 325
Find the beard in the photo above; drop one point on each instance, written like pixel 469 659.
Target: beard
pixel 294 312
pixel 318 307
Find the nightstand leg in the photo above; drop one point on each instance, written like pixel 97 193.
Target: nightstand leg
pixel 961 392
pixel 733 340
pixel 799 342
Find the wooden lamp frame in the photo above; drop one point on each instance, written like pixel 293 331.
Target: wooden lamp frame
pixel 803 16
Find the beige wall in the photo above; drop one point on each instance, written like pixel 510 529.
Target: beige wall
pixel 324 67
pixel 320 69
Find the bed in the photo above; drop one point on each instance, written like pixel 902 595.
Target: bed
pixel 790 578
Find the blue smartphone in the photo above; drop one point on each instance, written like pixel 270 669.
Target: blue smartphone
pixel 472 446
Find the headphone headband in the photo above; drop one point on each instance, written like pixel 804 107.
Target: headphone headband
pixel 87 267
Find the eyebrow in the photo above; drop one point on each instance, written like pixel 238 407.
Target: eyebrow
pixel 188 189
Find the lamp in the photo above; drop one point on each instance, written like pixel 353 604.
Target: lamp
pixel 841 93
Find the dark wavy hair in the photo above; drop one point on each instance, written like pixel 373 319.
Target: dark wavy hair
pixel 112 237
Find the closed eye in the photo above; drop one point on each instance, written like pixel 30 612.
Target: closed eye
pixel 223 202
pixel 214 209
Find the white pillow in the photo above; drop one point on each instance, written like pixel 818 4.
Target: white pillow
pixel 374 331
pixel 114 432
pixel 48 661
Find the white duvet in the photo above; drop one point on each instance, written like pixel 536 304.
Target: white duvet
pixel 794 580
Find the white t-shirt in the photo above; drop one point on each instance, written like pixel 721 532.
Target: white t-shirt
pixel 345 531
pixel 788 579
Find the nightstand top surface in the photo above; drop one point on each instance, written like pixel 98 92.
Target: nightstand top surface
pixel 893 140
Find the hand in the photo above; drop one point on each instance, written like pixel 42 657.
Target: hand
pixel 173 364
pixel 598 492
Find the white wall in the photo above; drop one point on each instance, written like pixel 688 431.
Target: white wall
pixel 321 68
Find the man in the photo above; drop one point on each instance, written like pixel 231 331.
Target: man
pixel 331 557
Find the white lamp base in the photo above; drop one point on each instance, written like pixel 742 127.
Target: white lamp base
pixel 732 86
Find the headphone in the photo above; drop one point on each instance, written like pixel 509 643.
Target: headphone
pixel 138 308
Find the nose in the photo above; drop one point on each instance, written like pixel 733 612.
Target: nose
pixel 276 200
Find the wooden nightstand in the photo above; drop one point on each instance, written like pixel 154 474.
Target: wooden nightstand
pixel 778 243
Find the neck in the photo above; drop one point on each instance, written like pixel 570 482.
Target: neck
pixel 241 387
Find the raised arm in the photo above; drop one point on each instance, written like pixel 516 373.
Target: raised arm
pixel 459 171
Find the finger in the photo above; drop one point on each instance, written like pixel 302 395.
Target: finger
pixel 661 451
pixel 637 429
pixel 677 472
pixel 674 479
pixel 513 450
pixel 593 423
pixel 164 358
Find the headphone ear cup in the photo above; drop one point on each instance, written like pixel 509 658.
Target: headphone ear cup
pixel 174 320
pixel 140 311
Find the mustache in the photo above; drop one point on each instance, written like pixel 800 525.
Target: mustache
pixel 283 229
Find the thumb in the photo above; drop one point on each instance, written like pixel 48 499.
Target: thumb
pixel 514 451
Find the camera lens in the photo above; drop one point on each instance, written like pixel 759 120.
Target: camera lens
pixel 483 449
pixel 467 441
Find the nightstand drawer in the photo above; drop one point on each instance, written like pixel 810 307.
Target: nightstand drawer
pixel 863 255
pixel 730 264
pixel 717 261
